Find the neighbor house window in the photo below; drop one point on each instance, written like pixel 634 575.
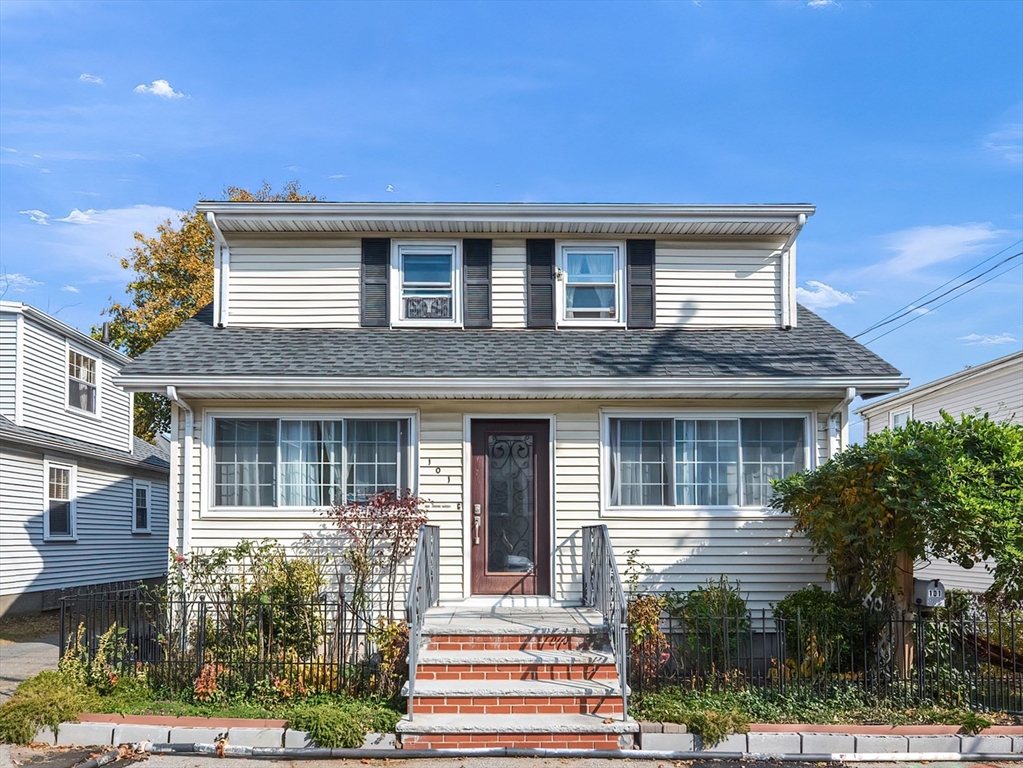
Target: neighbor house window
pixel 81 383
pixel 140 522
pixel 702 462
pixel 308 462
pixel 591 279
pixel 59 517
pixel 900 419
pixel 428 283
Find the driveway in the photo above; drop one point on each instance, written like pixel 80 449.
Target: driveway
pixel 21 660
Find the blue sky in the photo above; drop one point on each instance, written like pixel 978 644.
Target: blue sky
pixel 901 121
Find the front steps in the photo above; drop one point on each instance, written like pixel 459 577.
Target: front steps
pixel 516 677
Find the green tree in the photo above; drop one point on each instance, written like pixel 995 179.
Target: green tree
pixel 951 489
pixel 171 280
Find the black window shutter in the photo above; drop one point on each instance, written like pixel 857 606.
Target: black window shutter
pixel 540 283
pixel 376 269
pixel 476 261
pixel 640 279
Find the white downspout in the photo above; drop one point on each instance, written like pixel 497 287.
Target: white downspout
pixel 222 267
pixel 834 431
pixel 788 276
pixel 186 471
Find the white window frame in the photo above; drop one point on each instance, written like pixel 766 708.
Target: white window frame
pixel 49 463
pixel 98 362
pixel 695 511
pixel 208 510
pixel 893 414
pixel 138 485
pixel 398 250
pixel 566 247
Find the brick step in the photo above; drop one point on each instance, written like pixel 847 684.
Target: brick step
pixel 552 732
pixel 516 665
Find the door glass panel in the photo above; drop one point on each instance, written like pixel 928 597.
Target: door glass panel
pixel 511 515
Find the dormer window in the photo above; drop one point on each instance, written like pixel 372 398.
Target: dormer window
pixel 591 279
pixel 81 381
pixel 427 281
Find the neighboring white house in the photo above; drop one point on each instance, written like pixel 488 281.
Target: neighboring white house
pixel 994 388
pixel 527 369
pixel 82 501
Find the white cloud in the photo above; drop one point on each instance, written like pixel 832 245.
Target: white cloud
pixel 45 170
pixel 293 168
pixel 986 339
pixel 921 247
pixel 821 3
pixel 390 188
pixel 8 149
pixel 16 282
pixel 39 217
pixel 70 289
pixel 85 77
pixel 159 88
pixel 337 176
pixel 80 217
pixel 1007 142
pixel 820 295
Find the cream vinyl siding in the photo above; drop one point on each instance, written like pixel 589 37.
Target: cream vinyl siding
pixel 106 549
pixel 684 549
pixel 294 282
pixel 44 378
pixel 313 282
pixel 8 363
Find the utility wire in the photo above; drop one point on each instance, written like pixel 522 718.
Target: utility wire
pixel 913 304
pixel 978 285
pixel 953 289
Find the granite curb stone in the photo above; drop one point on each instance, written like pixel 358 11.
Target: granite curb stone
pixel 733 742
pixel 828 743
pixel 255 737
pixel 986 745
pixel 934 743
pixel 878 744
pixel 44 736
pixel 774 743
pixel 191 735
pixel 670 742
pixel 131 734
pixel 84 734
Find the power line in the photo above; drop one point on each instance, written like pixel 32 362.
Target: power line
pixel 914 304
pixel 978 285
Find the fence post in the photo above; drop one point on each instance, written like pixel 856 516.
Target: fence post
pixel 921 661
pixel 200 637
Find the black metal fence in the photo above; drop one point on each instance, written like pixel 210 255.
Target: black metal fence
pixel 974 662
pixel 214 647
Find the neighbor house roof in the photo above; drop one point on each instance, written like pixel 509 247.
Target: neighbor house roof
pixel 145 455
pixel 198 356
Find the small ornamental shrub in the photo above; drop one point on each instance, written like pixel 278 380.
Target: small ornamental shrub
pixel 712 618
pixel 342 724
pixel 835 626
pixel 647 643
pixel 48 699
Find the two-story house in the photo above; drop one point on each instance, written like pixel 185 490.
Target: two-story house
pixel 82 501
pixel 529 370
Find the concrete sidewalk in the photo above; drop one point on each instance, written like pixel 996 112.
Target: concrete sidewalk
pixel 20 661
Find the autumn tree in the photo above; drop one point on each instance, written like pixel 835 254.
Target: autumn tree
pixel 171 280
pixel 951 489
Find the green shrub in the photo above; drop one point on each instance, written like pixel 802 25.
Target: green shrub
pixel 48 699
pixel 713 717
pixel 341 723
pixel 714 617
pixel 827 625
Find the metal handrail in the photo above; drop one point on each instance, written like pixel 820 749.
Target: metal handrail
pixel 423 593
pixel 602 590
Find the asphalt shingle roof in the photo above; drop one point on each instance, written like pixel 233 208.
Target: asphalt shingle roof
pixel 145 454
pixel 813 348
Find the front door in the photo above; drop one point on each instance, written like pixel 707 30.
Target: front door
pixel 509 517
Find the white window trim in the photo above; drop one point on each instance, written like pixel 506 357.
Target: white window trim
pixel 207 510
pixel 400 247
pixel 68 349
pixel 136 484
pixel 892 414
pixel 619 320
pixel 72 494
pixel 695 511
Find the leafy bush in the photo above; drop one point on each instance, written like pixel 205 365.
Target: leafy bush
pixel 341 724
pixel 713 718
pixel 833 625
pixel 647 643
pixel 48 699
pixel 713 618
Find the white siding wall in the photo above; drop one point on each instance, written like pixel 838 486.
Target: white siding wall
pixel 106 549
pixel 683 550
pixel 8 363
pixel 313 282
pixel 44 377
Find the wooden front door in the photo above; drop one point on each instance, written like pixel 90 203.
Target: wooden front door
pixel 509 517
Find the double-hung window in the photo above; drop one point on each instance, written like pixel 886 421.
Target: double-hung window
pixel 141 517
pixel 81 381
pixel 591 278
pixel 899 419
pixel 427 283
pixel 307 462
pixel 59 513
pixel 683 461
